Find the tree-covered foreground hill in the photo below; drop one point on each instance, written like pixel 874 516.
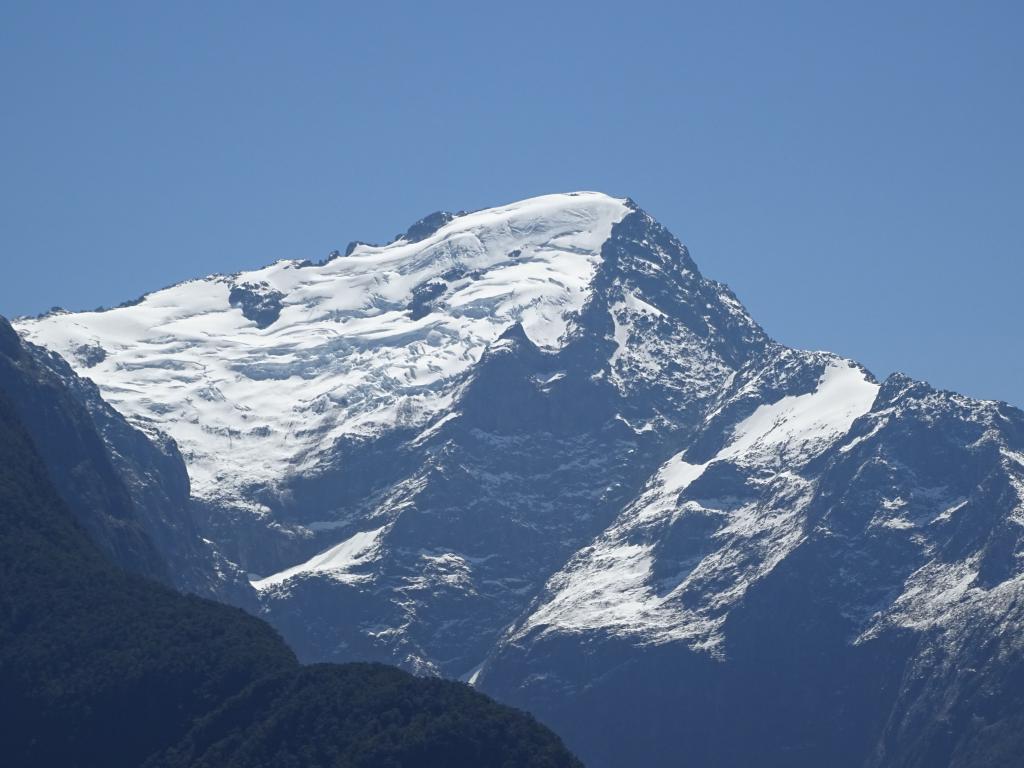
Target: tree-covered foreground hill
pixel 100 667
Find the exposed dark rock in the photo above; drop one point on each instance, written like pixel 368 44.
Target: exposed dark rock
pixel 427 226
pixel 423 297
pixel 258 302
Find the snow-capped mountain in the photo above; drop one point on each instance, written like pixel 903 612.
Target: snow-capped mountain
pixel 534 448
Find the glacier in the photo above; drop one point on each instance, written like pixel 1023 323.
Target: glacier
pixel 249 401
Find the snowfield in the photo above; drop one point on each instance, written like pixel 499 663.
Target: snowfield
pixel 249 405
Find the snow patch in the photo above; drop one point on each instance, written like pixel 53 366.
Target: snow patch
pixel 801 424
pixel 338 561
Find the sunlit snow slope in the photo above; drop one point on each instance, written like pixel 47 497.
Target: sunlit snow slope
pixel 367 341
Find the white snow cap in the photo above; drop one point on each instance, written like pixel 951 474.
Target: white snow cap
pixel 250 404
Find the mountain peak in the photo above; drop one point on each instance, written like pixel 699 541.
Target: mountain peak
pixel 427 226
pixel 258 375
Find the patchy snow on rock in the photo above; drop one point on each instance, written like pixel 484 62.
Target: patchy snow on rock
pixel 654 350
pixel 929 596
pixel 610 584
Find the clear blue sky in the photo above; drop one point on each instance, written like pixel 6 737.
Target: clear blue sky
pixel 854 171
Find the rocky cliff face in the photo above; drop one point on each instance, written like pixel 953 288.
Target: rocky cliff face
pixel 534 448
pixel 127 486
pixel 841 600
